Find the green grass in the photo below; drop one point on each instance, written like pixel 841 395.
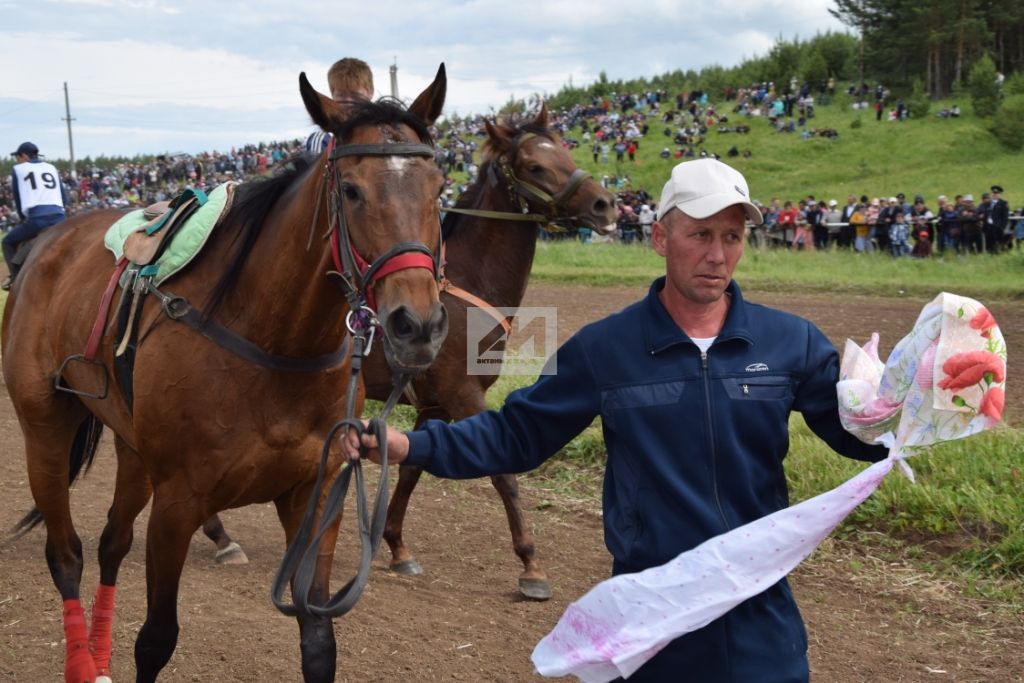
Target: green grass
pixel 930 156
pixel 982 277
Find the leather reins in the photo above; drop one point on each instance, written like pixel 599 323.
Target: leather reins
pixel 299 563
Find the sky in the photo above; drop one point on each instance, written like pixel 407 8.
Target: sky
pixel 155 76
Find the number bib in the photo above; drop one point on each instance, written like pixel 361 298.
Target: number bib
pixel 38 185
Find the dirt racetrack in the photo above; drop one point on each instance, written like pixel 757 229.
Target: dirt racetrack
pixel 869 618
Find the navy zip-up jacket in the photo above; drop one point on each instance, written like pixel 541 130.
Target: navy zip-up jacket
pixel 695 447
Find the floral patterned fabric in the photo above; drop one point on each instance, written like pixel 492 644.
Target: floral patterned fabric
pixel 945 380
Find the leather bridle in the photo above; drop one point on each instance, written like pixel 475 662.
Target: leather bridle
pixel 521 192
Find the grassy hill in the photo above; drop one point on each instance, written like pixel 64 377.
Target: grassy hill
pixel 930 156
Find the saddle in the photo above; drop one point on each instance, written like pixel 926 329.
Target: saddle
pixel 151 244
pixel 164 220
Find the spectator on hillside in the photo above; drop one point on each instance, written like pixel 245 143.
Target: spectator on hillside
pixel 921 218
pixel 817 219
pixel 862 219
pixel 950 230
pixel 923 246
pixel 785 224
pixel 971 239
pixel 899 236
pixel 846 230
pixel 997 228
pixel 802 237
pixel 646 219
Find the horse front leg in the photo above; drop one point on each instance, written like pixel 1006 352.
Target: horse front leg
pixel 132 491
pixel 402 560
pixel 171 525
pixel 533 582
pixel 317 645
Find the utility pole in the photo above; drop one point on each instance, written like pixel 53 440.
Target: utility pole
pixel 394 79
pixel 67 117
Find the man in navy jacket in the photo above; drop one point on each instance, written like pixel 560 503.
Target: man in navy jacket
pixel 694 387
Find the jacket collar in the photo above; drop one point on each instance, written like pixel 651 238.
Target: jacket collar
pixel 662 332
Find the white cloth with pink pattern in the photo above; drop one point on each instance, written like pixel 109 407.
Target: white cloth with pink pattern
pixel 945 380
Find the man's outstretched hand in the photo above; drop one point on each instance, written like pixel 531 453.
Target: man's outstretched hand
pixel 398 445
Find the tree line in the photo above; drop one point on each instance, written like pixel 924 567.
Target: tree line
pixel 895 42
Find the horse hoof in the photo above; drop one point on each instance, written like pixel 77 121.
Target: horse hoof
pixel 103 679
pixel 535 589
pixel 231 554
pixel 407 568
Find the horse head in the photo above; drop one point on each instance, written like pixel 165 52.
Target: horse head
pixel 539 168
pixel 384 184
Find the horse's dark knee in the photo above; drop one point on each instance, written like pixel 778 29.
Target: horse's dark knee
pixel 112 551
pixel 153 649
pixel 66 567
pixel 319 649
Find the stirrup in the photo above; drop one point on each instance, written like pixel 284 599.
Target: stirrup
pixel 80 358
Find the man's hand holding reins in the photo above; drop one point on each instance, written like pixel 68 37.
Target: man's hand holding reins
pixel 398 445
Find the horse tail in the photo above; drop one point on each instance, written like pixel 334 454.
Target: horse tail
pixel 83 451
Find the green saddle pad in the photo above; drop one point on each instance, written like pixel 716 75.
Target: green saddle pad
pixel 186 244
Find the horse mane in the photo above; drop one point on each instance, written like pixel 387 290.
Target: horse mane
pixel 471 198
pixel 254 200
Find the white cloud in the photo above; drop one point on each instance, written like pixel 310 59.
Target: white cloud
pixel 141 72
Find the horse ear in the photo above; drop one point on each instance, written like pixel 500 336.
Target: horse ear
pixel 542 116
pixel 318 106
pixel 427 107
pixel 498 137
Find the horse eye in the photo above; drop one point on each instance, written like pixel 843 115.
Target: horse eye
pixel 350 192
pixel 534 169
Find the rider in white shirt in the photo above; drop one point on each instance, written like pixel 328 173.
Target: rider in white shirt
pixel 39 196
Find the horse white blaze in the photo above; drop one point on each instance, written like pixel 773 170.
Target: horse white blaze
pixel 398 164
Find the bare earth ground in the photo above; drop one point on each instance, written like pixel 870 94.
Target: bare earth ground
pixel 869 619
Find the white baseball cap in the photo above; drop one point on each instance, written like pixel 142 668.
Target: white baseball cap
pixel 703 187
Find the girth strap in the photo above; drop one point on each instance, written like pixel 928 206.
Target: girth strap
pixel 177 308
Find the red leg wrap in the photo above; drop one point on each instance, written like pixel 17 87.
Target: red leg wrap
pixel 78 664
pixel 100 641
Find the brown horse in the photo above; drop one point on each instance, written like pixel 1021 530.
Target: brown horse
pixel 489 253
pixel 491 257
pixel 210 428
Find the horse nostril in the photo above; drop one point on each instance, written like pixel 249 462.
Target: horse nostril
pixel 401 324
pixel 438 323
pixel 600 207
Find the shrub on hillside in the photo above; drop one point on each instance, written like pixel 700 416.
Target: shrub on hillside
pixel 983 87
pixel 1014 85
pixel 919 103
pixel 1008 123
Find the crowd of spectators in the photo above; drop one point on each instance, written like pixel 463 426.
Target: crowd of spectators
pixel 894 225
pixel 614 127
pixel 139 184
